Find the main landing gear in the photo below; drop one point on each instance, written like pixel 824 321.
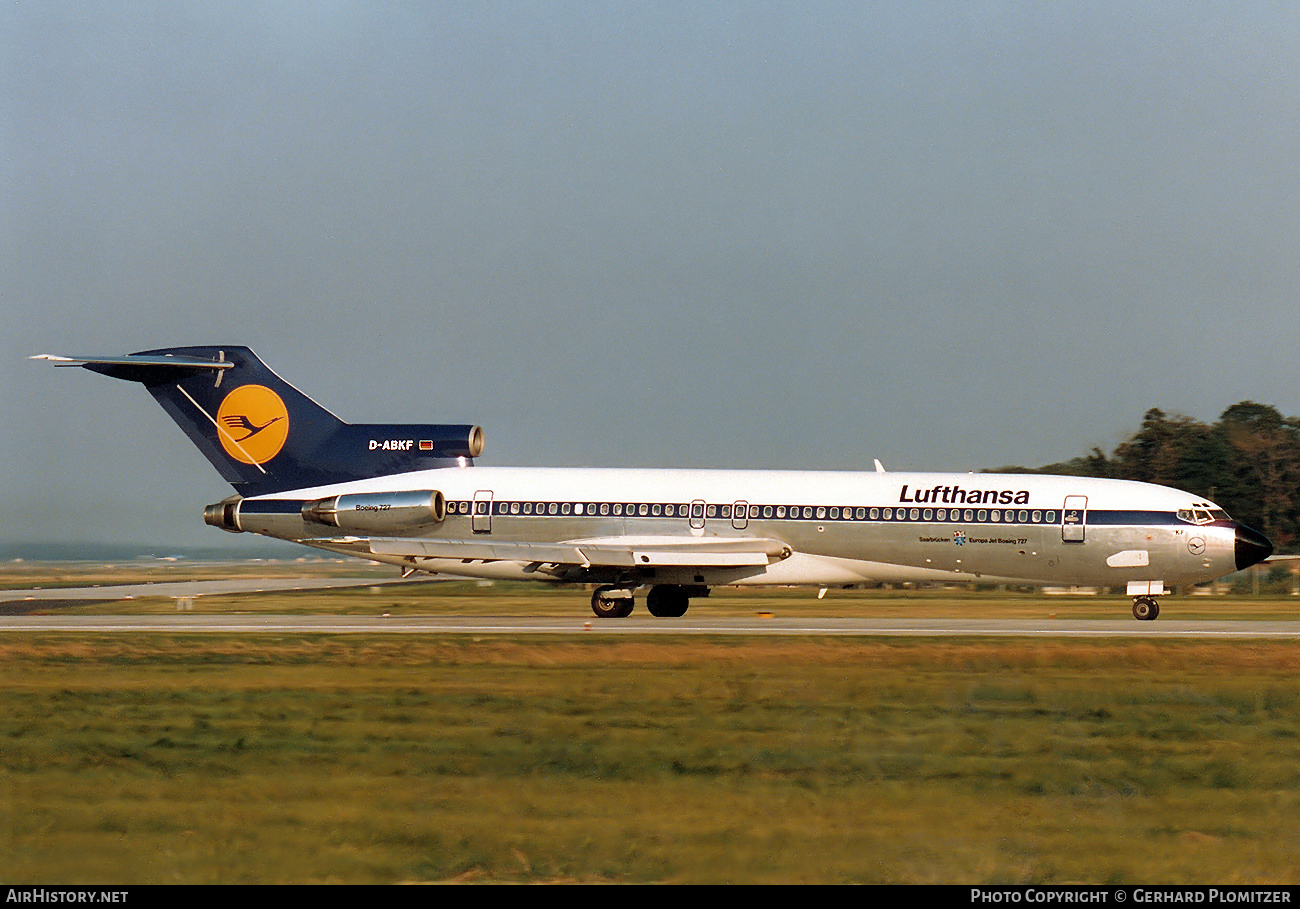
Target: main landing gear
pixel 668 601
pixel 612 602
pixel 1145 608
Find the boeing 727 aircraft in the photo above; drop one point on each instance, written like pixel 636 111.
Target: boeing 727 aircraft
pixel 411 495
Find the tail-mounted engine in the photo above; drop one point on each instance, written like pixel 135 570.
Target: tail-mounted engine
pixel 224 514
pixel 382 512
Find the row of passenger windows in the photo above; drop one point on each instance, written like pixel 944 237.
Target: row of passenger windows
pixel 755 512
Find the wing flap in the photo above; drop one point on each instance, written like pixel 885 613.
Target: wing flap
pixel 474 550
pixel 615 552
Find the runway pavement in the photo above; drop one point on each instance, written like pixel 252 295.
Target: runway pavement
pixel 34 610
pixel 701 624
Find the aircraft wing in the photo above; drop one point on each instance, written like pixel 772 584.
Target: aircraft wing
pixel 618 552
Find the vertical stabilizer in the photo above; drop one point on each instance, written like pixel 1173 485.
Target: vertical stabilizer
pixel 262 434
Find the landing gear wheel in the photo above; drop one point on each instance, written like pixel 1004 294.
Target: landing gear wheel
pixel 1145 609
pixel 667 601
pixel 608 607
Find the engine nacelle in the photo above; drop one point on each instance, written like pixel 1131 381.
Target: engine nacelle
pixel 474 441
pixel 443 440
pixel 369 512
pixel 224 514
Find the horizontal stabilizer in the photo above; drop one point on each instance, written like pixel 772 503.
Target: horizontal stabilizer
pixel 146 368
pixel 135 360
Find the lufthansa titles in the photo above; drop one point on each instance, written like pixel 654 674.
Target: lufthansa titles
pixel 956 495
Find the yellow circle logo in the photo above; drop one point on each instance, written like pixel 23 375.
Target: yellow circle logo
pixel 252 424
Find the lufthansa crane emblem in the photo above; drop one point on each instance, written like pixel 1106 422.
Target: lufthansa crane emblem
pixel 252 424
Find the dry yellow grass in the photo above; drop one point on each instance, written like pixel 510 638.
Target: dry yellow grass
pixel 328 759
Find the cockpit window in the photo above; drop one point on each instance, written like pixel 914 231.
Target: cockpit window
pixel 1202 515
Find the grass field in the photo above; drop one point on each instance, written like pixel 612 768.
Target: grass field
pixel 160 759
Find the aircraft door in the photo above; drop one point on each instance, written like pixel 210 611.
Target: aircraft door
pixel 740 515
pixel 697 514
pixel 1074 519
pixel 481 519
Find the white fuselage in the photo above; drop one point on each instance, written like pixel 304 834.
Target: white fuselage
pixel 833 528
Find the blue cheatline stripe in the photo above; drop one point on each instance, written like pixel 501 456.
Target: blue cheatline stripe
pixel 824 513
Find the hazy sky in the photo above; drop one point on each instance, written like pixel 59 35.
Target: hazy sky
pixel 949 235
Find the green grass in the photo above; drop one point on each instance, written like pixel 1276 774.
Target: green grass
pixel 157 759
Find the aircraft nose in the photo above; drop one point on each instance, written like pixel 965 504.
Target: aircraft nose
pixel 1252 547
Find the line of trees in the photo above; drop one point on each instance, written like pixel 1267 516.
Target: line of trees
pixel 1248 462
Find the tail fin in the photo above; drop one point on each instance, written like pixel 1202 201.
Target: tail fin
pixel 262 434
